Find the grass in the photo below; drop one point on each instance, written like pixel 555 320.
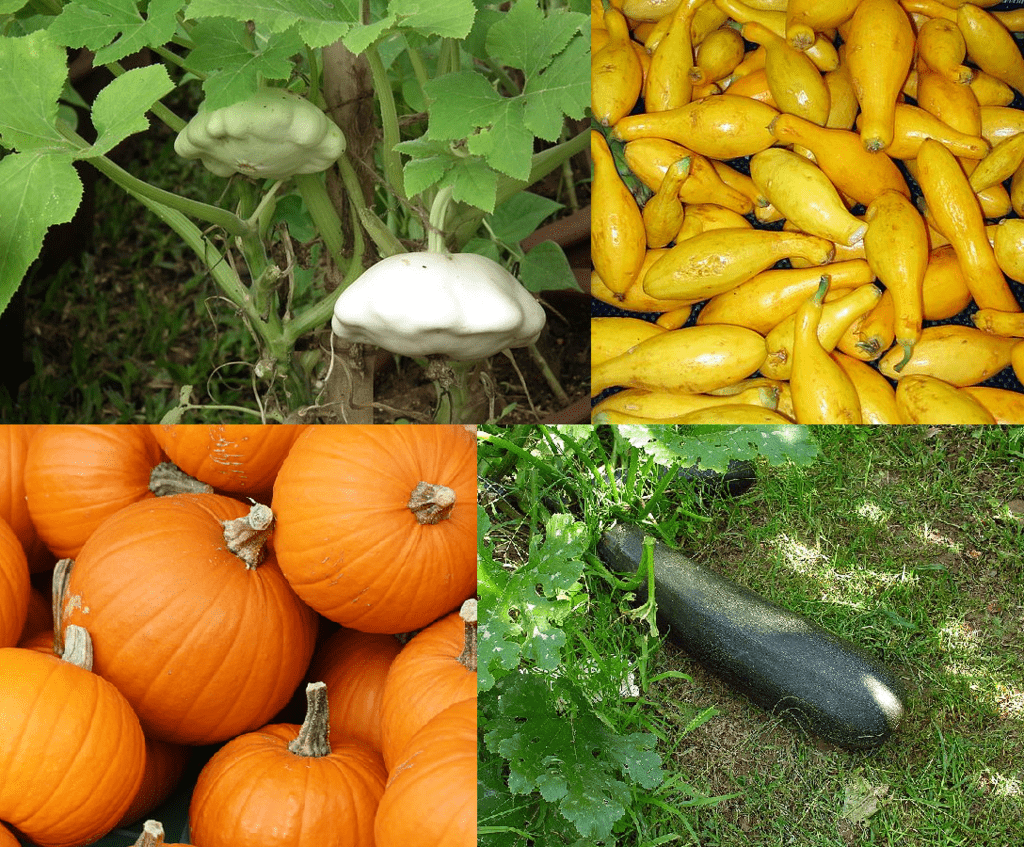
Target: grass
pixel 901 539
pixel 907 540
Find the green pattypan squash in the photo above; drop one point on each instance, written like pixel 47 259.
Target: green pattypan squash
pixel 274 134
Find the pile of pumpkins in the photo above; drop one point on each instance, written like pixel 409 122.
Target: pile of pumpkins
pixel 204 580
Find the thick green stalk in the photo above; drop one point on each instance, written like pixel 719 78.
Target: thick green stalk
pixel 436 233
pixel 454 393
pixel 549 375
pixel 355 198
pixel 230 285
pixel 387 242
pixel 320 313
pixel 389 120
pixel 226 220
pixel 324 215
pixel 419 69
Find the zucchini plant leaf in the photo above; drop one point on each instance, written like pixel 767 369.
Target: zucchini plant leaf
pixel 224 50
pixel 525 607
pixel 318 22
pixel 546 268
pixel 35 69
pixel 714 446
pixel 567 754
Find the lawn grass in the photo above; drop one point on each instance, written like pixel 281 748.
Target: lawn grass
pixel 906 540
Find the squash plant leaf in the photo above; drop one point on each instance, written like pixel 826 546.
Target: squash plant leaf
pixel 235 66
pixel 563 751
pixel 498 647
pixel 115 28
pixel 714 447
pixel 525 607
pixel 120 108
pixel 546 268
pixel 29 213
pixel 500 124
pixel 43 157
pixel 318 22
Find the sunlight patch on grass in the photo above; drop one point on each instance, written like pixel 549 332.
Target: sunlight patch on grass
pixel 958 637
pixel 802 558
pixel 1010 701
pixel 847 587
pixel 999 785
pixel 928 534
pixel 874 513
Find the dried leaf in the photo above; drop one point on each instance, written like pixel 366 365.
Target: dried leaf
pixel 862 799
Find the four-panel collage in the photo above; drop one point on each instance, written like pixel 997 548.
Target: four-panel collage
pixel 284 288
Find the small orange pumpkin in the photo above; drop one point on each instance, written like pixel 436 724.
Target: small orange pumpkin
pixel 204 642
pixel 71 748
pixel 236 458
pixel 75 476
pixel 14 586
pixel 430 798
pixel 377 524
pixel 14 441
pixel 436 669
pixel 288 786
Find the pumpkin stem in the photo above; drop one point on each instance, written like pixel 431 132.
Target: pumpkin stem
pixel 77 647
pixel 314 735
pixel 167 479
pixel 247 536
pixel 468 656
pixel 152 834
pixel 61 578
pixel 431 503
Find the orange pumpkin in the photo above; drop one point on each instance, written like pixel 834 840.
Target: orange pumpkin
pixel 14 441
pixel 377 524
pixel 75 476
pixel 236 458
pixel 433 671
pixel 288 786
pixel 430 798
pixel 7 838
pixel 164 766
pixel 14 586
pixel 203 644
pixel 354 666
pixel 71 749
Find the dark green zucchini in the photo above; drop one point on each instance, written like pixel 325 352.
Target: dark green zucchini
pixel 738 478
pixel 783 662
